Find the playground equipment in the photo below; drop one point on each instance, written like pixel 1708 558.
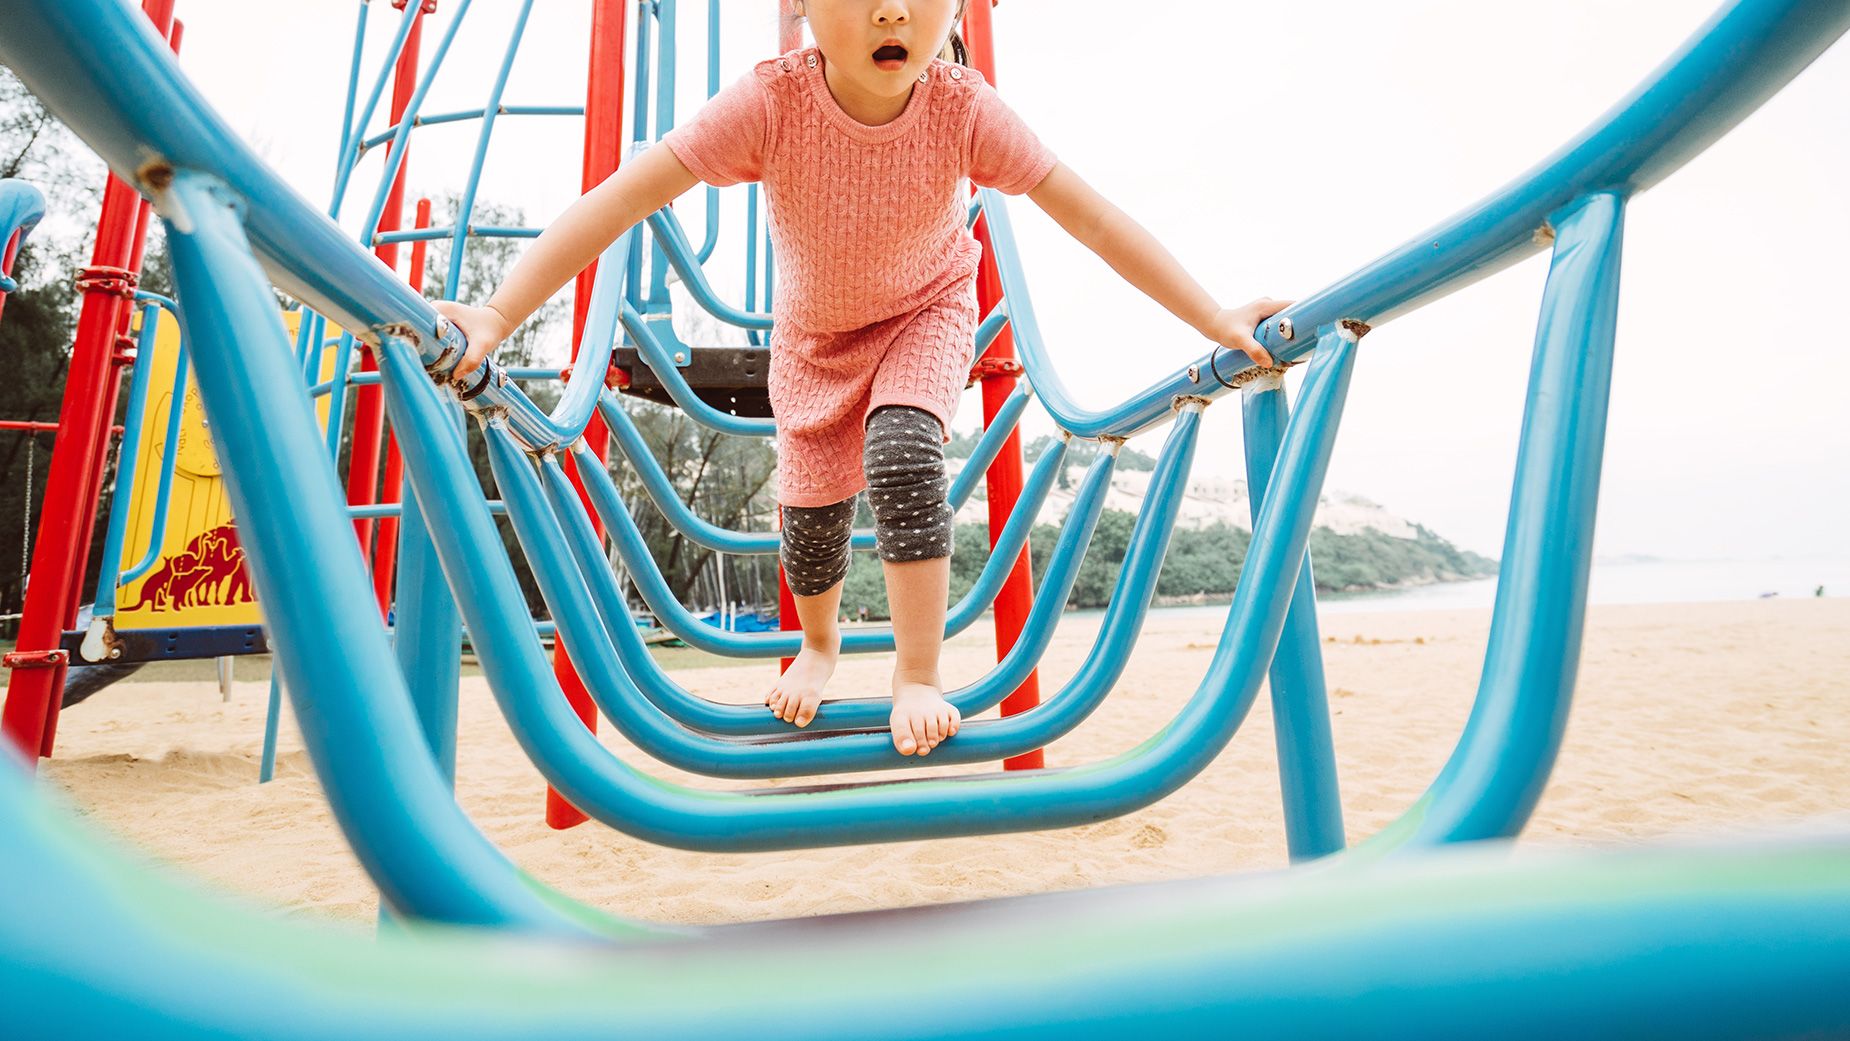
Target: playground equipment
pixel 1723 943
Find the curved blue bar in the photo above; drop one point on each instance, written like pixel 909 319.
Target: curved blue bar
pixel 1496 773
pixel 588 632
pixel 661 491
pixel 672 238
pixel 987 447
pixel 1742 942
pixel 443 231
pixel 1050 599
pixel 677 619
pixel 705 533
pixel 787 754
pixel 386 791
pixel 669 373
pixel 1725 70
pixel 22 207
pixel 170 455
pixel 1300 701
pixel 126 463
pixel 601 785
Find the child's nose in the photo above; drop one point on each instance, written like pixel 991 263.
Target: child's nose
pixel 890 14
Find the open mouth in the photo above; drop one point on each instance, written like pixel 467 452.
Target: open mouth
pixel 890 57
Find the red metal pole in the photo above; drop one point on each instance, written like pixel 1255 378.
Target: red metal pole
pixel 997 369
pixel 602 154
pixel 121 360
pixel 385 557
pixel 30 717
pixel 369 401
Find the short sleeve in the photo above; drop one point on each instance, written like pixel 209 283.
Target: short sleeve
pixel 1004 153
pixel 725 141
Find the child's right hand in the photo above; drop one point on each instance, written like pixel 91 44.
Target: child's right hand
pixel 482 327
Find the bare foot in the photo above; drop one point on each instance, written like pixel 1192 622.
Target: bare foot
pixel 799 689
pixel 921 719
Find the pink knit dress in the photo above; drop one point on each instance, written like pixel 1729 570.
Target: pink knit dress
pixel 876 288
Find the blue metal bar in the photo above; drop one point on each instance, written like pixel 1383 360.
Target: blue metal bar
pixel 654 589
pixel 22 207
pixel 337 395
pixel 426 632
pixel 664 121
pixel 451 231
pixel 589 630
pixel 1748 941
pixel 465 209
pixel 373 511
pixel 658 359
pixel 353 92
pixel 711 237
pixel 350 135
pixel 1300 703
pixel 987 447
pixel 371 379
pixel 978 741
pixel 395 156
pixel 1050 599
pixel 356 719
pixel 470 113
pixel 705 533
pixel 671 239
pixel 170 454
pixel 1491 783
pixel 127 459
pixel 604 787
pixel 751 259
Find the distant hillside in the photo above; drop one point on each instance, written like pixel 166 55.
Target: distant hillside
pixel 1355 544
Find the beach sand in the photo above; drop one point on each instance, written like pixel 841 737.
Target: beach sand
pixel 1690 719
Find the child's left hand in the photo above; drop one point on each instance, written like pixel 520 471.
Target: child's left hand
pixel 1232 327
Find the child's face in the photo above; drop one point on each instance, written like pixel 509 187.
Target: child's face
pixel 881 46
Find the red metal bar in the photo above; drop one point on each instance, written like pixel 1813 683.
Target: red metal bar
pixel 41 428
pixel 385 557
pixel 29 719
pixel 1004 481
pixel 602 154
pixel 369 401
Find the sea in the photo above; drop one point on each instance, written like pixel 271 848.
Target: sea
pixel 1625 581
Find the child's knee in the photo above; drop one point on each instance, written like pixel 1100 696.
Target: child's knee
pixel 904 462
pixel 816 546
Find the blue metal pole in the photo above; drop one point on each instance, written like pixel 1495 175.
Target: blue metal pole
pixel 1300 703
pixel 306 567
pixel 427 638
pixel 465 209
pixel 350 135
pixel 127 460
pixel 1491 783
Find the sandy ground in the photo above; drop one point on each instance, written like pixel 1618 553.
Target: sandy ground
pixel 1690 719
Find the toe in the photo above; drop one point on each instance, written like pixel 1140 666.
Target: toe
pixel 934 729
pixel 806 712
pixel 919 736
pixel 902 739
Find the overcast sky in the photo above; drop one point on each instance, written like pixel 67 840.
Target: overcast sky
pixel 1274 148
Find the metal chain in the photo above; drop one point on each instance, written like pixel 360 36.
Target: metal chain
pixel 25 534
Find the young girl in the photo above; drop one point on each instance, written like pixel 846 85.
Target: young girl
pixel 863 143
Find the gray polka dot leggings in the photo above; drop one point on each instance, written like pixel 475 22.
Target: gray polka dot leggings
pixel 903 458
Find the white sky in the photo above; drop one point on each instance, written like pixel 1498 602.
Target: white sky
pixel 1274 148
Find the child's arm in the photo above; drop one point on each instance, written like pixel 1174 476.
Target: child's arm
pixel 1132 252
pixel 641 186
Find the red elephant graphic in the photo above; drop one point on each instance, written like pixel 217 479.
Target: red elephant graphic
pixel 209 572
